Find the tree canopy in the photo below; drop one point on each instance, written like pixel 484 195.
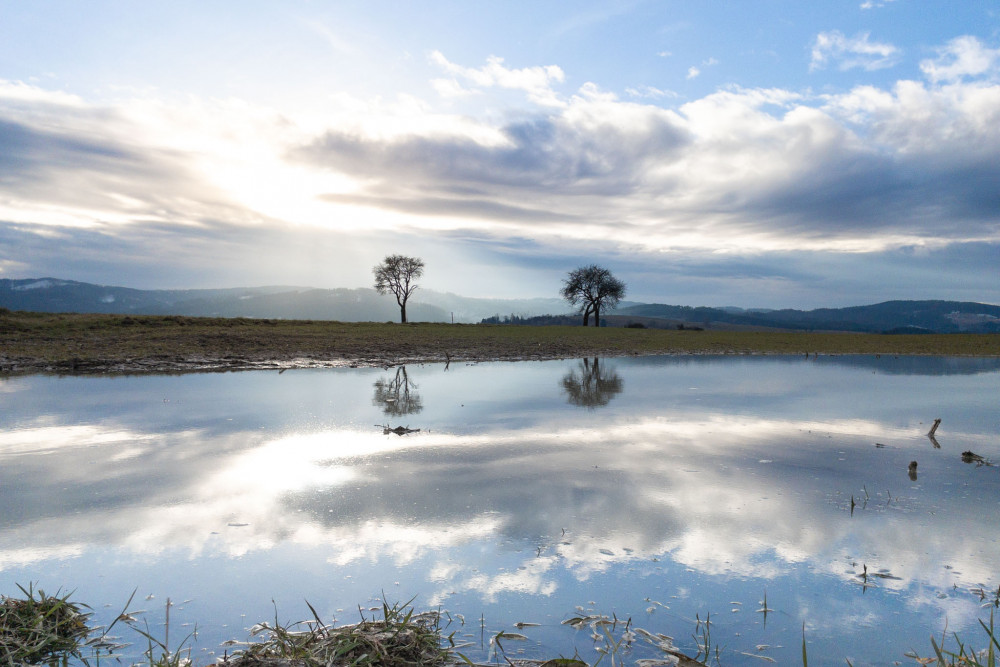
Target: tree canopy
pixel 396 274
pixel 592 288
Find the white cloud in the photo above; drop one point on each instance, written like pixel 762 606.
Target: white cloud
pixel 12 92
pixel 535 81
pixel 695 70
pixel 874 4
pixel 851 52
pixel 650 92
pixel 451 88
pixel 960 58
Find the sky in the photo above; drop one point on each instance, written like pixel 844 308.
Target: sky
pixel 774 153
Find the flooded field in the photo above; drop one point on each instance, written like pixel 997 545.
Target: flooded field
pixel 764 493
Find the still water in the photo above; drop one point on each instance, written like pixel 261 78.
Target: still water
pixel 658 489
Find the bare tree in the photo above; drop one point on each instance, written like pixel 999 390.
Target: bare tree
pixel 396 274
pixel 592 288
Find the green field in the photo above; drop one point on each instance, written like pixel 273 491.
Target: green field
pixel 100 343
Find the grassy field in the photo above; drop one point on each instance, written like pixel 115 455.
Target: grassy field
pixel 32 342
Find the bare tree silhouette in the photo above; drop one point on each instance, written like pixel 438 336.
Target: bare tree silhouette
pixel 397 395
pixel 592 288
pixel 592 385
pixel 396 274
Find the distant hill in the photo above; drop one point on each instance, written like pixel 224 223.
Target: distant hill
pixel 362 304
pixel 887 317
pixel 54 295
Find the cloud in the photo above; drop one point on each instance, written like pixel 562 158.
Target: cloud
pixel 851 52
pixel 742 172
pixel 875 4
pixel 860 171
pixel 598 147
pixel 962 57
pixel 65 162
pixel 650 92
pixel 695 71
pixel 535 81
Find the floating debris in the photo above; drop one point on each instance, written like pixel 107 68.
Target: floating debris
pixel 969 457
pixel 399 430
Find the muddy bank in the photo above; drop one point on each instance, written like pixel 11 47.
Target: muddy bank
pixel 195 364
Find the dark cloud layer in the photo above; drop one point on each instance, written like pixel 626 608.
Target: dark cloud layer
pixel 548 154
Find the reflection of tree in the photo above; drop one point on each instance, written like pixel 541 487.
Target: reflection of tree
pixel 395 395
pixel 591 384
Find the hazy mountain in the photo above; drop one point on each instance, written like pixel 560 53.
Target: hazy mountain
pixel 363 304
pixel 889 317
pixel 347 305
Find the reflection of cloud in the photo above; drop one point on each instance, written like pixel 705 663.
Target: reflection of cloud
pixel 529 579
pixel 57 439
pixel 719 494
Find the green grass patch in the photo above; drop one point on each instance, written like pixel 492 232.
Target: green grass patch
pixel 41 628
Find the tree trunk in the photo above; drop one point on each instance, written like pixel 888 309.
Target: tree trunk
pixel 597 316
pixel 402 313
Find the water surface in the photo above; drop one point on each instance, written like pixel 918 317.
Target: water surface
pixel 658 489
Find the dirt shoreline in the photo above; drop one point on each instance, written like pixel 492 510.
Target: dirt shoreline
pixel 230 363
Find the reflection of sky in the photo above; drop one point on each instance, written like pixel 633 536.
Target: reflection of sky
pixel 700 484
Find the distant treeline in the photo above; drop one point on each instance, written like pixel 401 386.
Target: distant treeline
pixel 536 321
pixel 575 320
